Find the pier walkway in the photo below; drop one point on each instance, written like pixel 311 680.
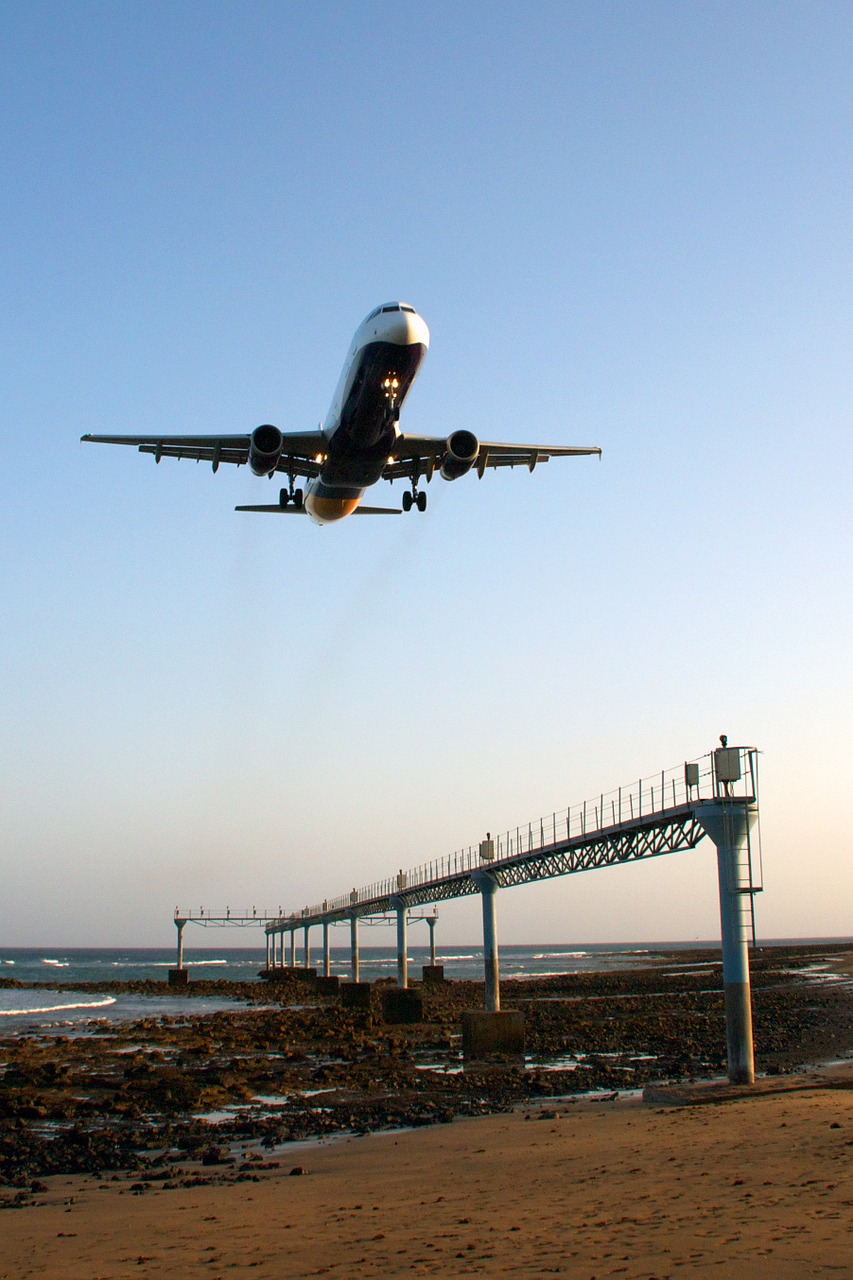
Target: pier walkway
pixel 715 795
pixel 653 816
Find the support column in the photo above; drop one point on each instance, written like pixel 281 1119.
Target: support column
pixel 292 948
pixel 432 921
pixel 327 955
pixel 268 966
pixel 400 907
pixel 353 946
pixel 306 948
pixel 728 823
pixel 488 888
pixel 179 977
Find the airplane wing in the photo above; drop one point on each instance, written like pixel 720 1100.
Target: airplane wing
pixel 419 455
pixel 298 455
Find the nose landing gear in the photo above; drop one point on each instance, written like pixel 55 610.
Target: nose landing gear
pixel 391 387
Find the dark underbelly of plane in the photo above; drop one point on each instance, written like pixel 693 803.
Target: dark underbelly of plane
pixel 364 417
pixel 350 466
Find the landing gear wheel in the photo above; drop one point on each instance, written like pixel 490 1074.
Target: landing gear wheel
pixel 297 498
pixel 283 498
pixel 407 501
pixel 421 500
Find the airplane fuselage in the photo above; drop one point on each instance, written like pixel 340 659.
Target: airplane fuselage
pixel 362 424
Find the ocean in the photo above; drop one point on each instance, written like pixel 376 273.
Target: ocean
pixel 72 1010
pixel 27 1009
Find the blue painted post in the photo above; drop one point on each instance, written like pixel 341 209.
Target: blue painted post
pixel 307 949
pixel 293 948
pixel 353 945
pixel 179 925
pixel 268 951
pixel 402 942
pixel 327 955
pixel 728 823
pixel 488 888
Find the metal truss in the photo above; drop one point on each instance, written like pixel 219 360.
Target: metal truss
pixel 669 831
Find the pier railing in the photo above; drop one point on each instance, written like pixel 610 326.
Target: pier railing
pixel 657 796
pixel 227 915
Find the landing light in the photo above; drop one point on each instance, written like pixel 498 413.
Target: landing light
pixel 320 457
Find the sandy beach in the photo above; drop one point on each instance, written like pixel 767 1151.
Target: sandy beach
pixel 166 1147
pixel 758 1187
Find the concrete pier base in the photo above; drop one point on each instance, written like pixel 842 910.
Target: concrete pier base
pixel 492 1033
pixel 402 1005
pixel 355 995
pixel 433 973
pixel 327 985
pixel 289 973
pixel 179 977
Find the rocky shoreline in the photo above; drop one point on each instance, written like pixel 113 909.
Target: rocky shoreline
pixel 180 1100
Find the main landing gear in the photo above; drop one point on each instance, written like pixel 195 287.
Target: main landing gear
pixel 414 499
pixel 290 495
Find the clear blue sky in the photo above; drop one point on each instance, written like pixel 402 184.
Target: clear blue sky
pixel 626 225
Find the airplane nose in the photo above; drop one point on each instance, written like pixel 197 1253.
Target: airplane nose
pixel 405 328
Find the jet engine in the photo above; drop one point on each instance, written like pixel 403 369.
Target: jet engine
pixel 462 449
pixel 265 445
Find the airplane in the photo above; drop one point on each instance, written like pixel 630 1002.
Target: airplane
pixel 361 441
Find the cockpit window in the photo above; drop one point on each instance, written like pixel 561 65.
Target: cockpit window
pixel 412 309
pixel 374 313
pixel 390 309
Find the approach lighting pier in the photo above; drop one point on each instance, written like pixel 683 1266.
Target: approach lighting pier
pixel 247 918
pixel 715 795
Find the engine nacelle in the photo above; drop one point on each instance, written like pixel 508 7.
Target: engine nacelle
pixel 265 446
pixel 462 449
